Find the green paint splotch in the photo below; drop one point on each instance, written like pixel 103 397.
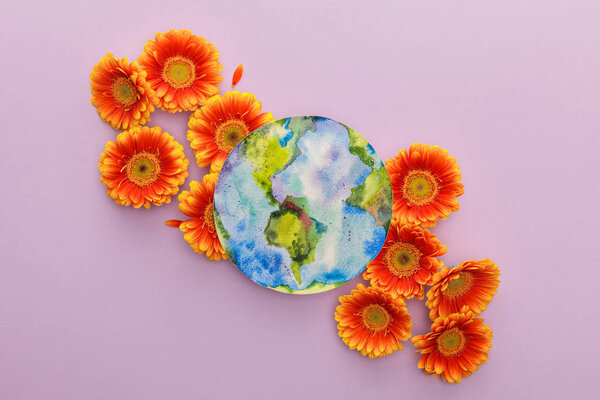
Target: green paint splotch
pixel 374 196
pixel 293 229
pixel 270 154
pixel 358 147
pixel 300 125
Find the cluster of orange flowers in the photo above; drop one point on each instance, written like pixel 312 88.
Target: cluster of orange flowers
pixel 177 71
pixel 374 320
pixel 144 166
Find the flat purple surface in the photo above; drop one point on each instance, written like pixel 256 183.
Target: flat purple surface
pixel 99 301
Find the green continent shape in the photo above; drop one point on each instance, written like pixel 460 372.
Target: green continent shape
pixel 358 147
pixel 264 152
pixel 299 125
pixel 374 196
pixel 290 227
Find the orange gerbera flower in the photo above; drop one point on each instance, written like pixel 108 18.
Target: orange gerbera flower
pixel 120 92
pixel 222 123
pixel 372 321
pixel 471 284
pixel 455 347
pixel 143 166
pixel 406 262
pixel 426 182
pixel 199 231
pixel 182 68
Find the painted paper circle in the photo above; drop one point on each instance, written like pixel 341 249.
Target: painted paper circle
pixel 302 204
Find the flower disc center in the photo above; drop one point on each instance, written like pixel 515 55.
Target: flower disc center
pixel 179 72
pixel 451 342
pixel 459 285
pixel 375 317
pixel 124 92
pixel 230 133
pixel 420 188
pixel 209 217
pixel 143 169
pixel 403 259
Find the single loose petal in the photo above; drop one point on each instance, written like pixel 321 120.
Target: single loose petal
pixel 237 75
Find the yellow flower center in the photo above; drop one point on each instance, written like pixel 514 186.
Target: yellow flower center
pixel 124 92
pixel 179 72
pixel 459 285
pixel 230 133
pixel 143 169
pixel 403 259
pixel 451 342
pixel 209 217
pixel 420 188
pixel 375 317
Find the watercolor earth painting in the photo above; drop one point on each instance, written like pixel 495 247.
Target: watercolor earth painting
pixel 302 204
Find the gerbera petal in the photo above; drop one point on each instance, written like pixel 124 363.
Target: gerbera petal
pixel 237 75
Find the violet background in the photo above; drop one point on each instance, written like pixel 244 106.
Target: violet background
pixel 99 301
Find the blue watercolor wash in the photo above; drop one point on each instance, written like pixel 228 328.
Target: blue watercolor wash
pixel 373 247
pixel 284 140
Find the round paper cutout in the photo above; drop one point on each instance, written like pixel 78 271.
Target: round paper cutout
pixel 302 204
